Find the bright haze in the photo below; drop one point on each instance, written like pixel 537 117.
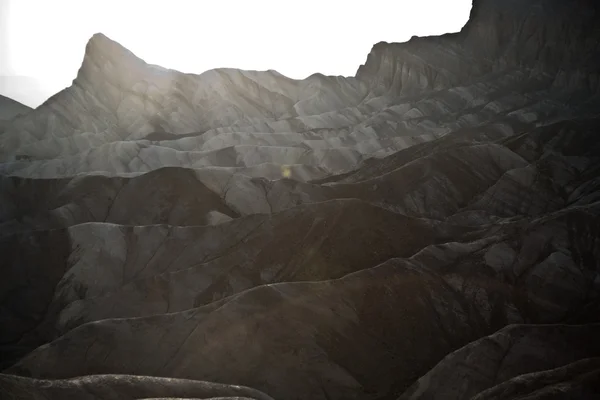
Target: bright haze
pixel 42 42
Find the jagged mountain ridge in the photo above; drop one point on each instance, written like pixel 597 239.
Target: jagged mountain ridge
pixel 156 99
pixel 448 190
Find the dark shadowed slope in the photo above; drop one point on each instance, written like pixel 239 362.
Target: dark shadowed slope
pixel 371 332
pixel 520 361
pixel 187 267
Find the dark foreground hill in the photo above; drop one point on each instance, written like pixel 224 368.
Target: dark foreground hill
pixel 429 228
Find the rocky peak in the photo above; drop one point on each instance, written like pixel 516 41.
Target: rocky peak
pixel 100 44
pixel 104 59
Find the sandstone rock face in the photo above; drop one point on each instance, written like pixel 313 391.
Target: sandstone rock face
pixel 429 228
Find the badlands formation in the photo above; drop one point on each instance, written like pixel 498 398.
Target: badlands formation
pixel 427 229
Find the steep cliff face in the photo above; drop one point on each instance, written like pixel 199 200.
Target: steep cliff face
pixel 545 36
pixel 426 229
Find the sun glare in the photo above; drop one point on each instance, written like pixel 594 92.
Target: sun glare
pixel 46 39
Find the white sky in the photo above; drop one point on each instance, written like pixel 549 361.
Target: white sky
pixel 42 42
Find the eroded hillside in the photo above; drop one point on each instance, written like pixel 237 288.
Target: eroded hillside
pixel 429 228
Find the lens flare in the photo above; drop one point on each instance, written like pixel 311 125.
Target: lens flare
pixel 286 171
